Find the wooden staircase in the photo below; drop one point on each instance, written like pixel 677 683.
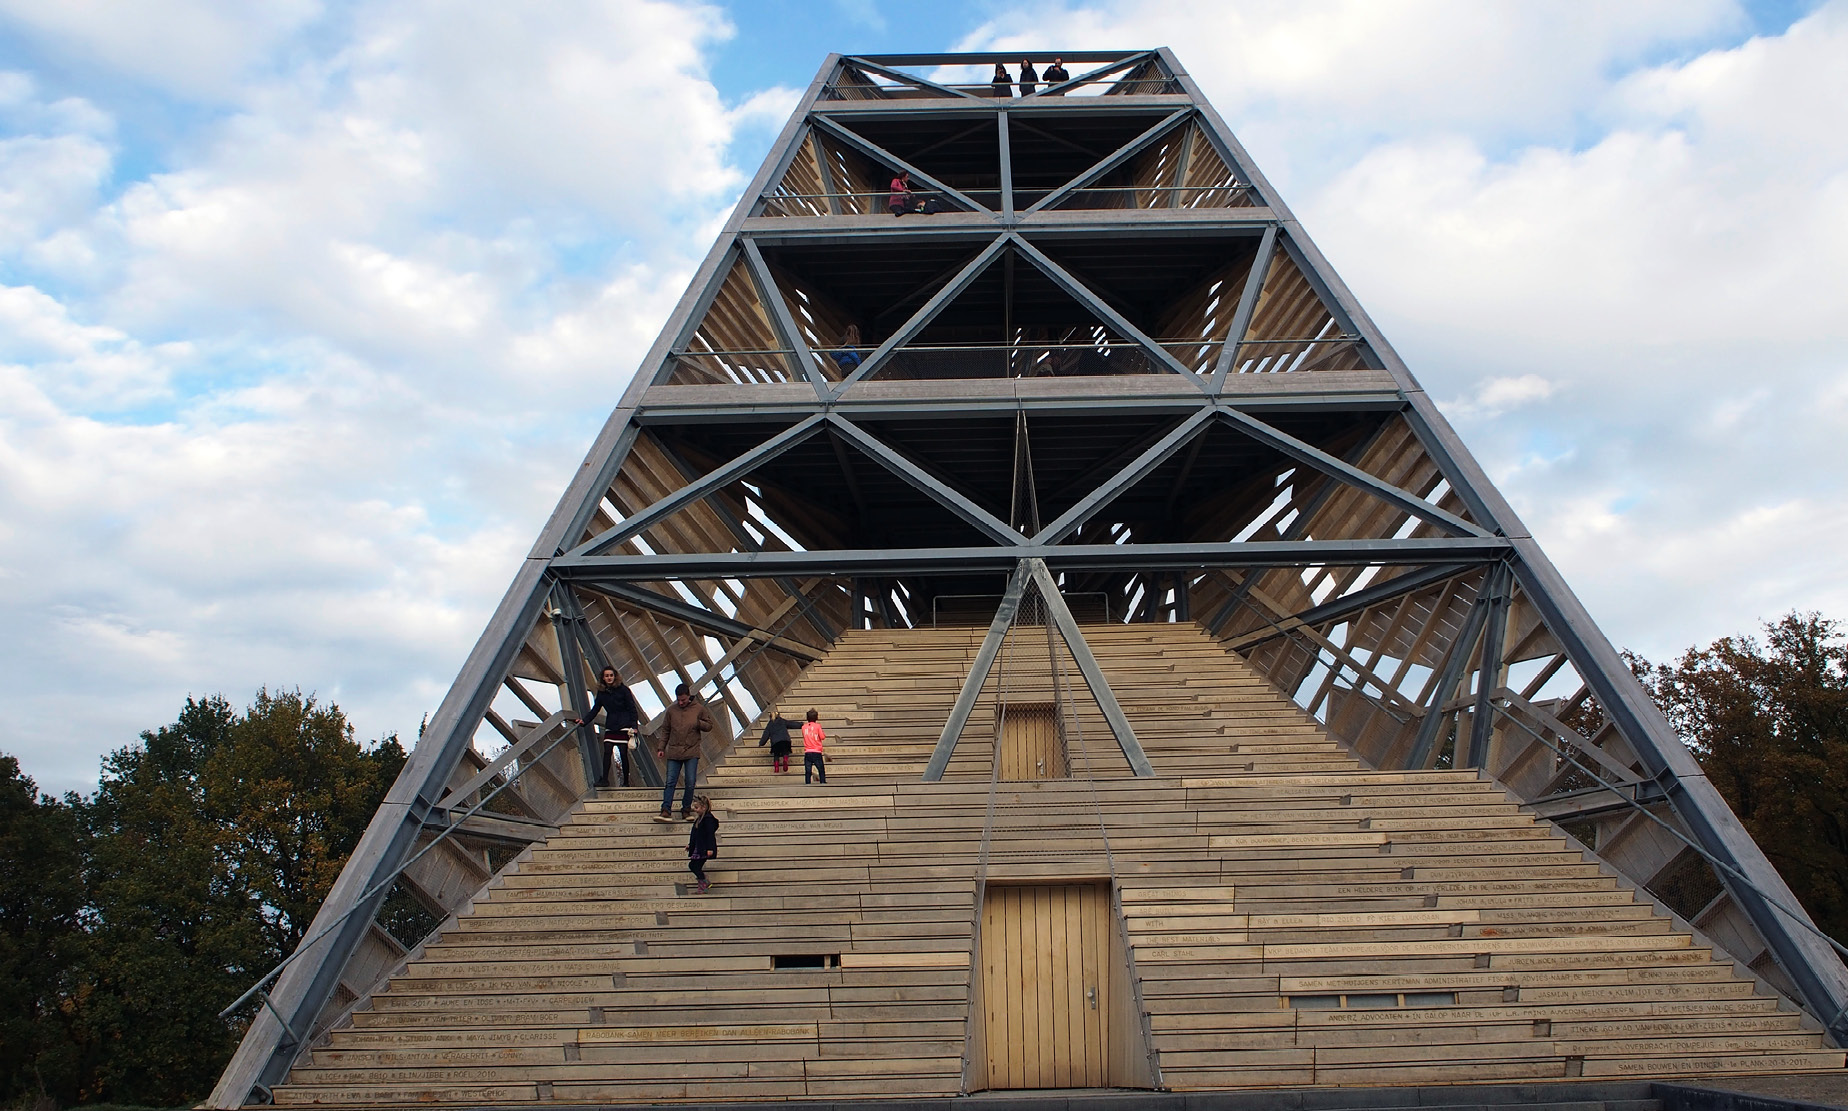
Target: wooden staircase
pixel 1294 919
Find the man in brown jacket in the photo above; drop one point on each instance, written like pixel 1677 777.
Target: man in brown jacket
pixel 679 743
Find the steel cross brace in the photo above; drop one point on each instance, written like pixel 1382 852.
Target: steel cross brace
pixel 694 491
pixel 872 149
pixel 1036 572
pixel 978 672
pixel 1113 160
pixel 925 314
pixel 904 78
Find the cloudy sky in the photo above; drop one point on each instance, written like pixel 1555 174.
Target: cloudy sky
pixel 307 309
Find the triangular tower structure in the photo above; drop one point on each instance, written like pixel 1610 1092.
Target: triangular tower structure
pixel 1203 716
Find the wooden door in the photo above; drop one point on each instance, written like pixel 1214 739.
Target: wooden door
pixel 1030 746
pixel 1044 982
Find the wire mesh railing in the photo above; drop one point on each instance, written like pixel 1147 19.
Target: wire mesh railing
pixel 879 202
pixel 1092 198
pixel 871 87
pixel 1025 359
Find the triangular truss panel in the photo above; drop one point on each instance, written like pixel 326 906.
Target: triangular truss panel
pixel 1295 328
pixel 735 340
pixel 1095 376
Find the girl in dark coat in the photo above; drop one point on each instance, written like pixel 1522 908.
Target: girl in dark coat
pixel 702 842
pixel 1002 83
pixel 776 735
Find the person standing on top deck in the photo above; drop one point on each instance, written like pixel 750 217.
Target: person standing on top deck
pixel 621 718
pixel 1001 84
pixel 1055 75
pixel 1028 79
pixel 679 744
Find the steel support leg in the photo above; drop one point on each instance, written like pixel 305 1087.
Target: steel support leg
pixel 978 671
pixel 1087 666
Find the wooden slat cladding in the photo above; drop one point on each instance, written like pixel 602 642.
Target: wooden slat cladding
pixel 805 191
pixel 1194 329
pixel 857 181
pixel 1184 171
pixel 801 190
pixel 734 342
pixel 1293 330
pixel 1147 79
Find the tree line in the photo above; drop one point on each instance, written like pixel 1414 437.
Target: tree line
pixel 130 917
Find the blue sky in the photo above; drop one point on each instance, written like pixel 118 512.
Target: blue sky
pixel 307 309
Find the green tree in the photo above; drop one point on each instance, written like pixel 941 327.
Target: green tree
pixel 1769 724
pixel 41 896
pixel 176 935
pixel 212 843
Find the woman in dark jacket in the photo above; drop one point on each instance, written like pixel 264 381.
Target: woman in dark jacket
pixel 776 735
pixel 621 718
pixel 1002 83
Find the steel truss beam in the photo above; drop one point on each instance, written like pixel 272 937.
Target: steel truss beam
pixel 1036 573
pixel 701 619
pixel 1073 223
pixel 998 559
pixel 1348 605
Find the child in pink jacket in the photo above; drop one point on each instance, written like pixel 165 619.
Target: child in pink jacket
pixel 812 738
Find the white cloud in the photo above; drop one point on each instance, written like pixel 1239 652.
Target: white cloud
pixel 1304 83
pixel 1495 396
pixel 367 318
pixel 197 48
pixel 52 167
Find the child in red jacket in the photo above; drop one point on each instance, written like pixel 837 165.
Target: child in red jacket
pixel 812 738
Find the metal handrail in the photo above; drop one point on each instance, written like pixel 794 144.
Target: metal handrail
pixel 986 88
pixel 1508 702
pixel 307 943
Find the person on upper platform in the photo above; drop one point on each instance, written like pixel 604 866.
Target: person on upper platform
pixel 1002 83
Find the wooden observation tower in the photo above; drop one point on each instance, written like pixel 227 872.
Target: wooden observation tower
pixel 1202 716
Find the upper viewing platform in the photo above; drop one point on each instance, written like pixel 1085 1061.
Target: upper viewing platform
pixel 1018 137
pixel 952 218
pixel 974 76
